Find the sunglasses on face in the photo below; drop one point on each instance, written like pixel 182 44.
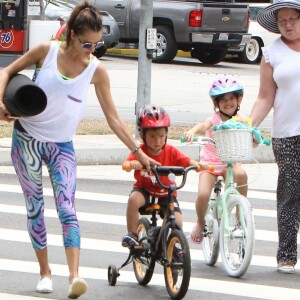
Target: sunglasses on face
pixel 87 45
pixel 291 20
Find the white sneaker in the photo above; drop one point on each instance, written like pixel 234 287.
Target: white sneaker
pixel 44 286
pixel 286 268
pixel 77 288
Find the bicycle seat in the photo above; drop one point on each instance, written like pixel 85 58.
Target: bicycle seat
pixel 146 210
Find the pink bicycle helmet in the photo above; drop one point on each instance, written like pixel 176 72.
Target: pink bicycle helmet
pixel 223 86
pixel 152 116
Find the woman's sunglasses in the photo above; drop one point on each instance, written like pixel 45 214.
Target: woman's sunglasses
pixel 90 45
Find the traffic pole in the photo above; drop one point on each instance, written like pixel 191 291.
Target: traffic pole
pixel 144 63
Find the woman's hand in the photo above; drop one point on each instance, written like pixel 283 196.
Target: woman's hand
pixel 146 160
pixel 5 114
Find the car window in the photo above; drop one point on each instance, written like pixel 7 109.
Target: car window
pixel 253 12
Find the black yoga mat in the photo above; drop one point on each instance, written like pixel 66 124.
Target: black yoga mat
pixel 23 98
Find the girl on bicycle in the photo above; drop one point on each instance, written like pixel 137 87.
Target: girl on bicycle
pixel 226 94
pixel 153 122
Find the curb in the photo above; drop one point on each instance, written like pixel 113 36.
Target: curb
pixel 125 51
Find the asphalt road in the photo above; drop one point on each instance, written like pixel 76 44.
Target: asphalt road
pixel 181 87
pixel 101 206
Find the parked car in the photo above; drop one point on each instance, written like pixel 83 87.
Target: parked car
pixel 111 33
pixel 205 28
pixel 251 52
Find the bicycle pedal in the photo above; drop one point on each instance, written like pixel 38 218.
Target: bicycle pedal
pixel 140 248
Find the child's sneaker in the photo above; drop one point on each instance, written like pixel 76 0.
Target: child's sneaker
pixel 130 239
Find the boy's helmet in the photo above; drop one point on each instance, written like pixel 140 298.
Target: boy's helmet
pixel 152 116
pixel 223 86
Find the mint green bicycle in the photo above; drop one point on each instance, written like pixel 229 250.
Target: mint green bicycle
pixel 230 227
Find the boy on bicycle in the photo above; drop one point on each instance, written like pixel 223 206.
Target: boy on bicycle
pixel 153 122
pixel 226 94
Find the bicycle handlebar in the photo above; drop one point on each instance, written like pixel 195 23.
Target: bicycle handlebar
pixel 165 170
pixel 201 139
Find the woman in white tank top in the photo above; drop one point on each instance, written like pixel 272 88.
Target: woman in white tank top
pixel 66 71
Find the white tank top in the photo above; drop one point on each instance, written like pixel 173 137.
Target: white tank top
pixel 66 101
pixel 286 73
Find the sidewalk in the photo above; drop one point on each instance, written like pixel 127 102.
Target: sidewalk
pixel 101 156
pixel 109 150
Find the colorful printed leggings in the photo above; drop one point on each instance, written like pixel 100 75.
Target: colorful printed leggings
pixel 27 156
pixel 287 155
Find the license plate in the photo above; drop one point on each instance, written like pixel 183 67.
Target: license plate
pixel 223 36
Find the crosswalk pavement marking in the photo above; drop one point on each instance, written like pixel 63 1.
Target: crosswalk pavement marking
pixel 264 235
pixel 10 188
pixel 19 297
pixel 198 284
pixel 112 198
pixel 214 286
pixel 113 246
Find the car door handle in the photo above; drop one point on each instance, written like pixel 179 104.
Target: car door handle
pixel 119 6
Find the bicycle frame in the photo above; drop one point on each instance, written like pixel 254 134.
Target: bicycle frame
pixel 168 223
pixel 220 205
pixel 230 226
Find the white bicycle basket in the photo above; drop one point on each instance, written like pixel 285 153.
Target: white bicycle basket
pixel 234 145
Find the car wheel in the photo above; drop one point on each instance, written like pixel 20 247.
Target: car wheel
pixel 252 52
pixel 209 57
pixel 166 45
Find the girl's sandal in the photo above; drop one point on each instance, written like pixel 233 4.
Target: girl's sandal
pixel 196 235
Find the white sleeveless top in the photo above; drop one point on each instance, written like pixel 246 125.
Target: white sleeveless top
pixel 286 73
pixel 66 101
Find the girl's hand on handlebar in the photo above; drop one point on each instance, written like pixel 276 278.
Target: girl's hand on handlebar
pixel 189 136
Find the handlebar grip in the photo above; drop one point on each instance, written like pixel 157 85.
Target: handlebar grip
pixel 131 165
pixel 183 139
pixel 202 167
pixel 126 166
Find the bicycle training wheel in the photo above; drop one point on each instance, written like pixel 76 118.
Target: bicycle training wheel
pixel 178 271
pixel 210 244
pixel 237 241
pixel 143 263
pixel 112 275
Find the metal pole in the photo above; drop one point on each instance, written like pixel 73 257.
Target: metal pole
pixel 144 63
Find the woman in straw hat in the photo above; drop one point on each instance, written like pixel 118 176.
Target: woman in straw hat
pixel 280 90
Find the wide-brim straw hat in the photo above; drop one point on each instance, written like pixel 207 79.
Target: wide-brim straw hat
pixel 266 17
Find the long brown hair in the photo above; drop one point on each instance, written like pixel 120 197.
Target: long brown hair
pixel 84 17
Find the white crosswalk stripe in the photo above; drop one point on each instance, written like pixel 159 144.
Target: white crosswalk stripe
pixel 214 286
pixel 112 246
pixel 264 235
pixel 237 288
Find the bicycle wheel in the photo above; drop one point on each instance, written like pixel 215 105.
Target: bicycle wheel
pixel 178 271
pixel 237 245
pixel 210 244
pixel 143 264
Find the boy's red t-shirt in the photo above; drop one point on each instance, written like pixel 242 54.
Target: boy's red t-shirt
pixel 169 156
